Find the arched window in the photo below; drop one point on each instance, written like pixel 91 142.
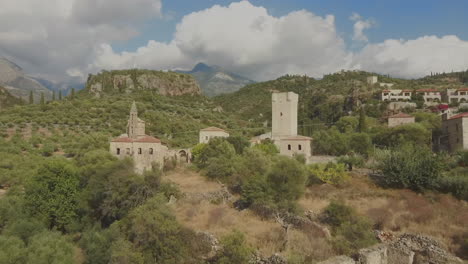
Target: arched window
pixel 289 146
pixel 118 151
pixel 151 151
pixel 139 150
pixel 300 147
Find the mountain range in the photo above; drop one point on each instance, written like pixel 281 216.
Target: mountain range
pixel 214 80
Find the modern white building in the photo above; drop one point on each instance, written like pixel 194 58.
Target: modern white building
pixel 208 133
pixel 396 95
pixel 430 95
pixel 457 95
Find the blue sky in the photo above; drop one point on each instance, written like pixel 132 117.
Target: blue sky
pixel 394 18
pixel 259 39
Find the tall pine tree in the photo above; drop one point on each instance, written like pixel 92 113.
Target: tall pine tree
pixel 31 97
pixel 60 95
pixel 42 99
pixel 72 96
pixel 362 127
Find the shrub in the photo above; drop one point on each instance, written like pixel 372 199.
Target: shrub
pixel 330 173
pixel 411 167
pixel 456 184
pixel 234 249
pixel 268 147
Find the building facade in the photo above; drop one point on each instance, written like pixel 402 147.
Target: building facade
pixel 208 133
pixel 400 119
pixel 371 80
pixel 455 132
pixel 284 126
pixel 145 151
pixel 396 95
pixel 457 95
pixel 430 96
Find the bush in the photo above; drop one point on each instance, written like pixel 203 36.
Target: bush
pixel 412 167
pixel 456 184
pixel 234 249
pixel 330 173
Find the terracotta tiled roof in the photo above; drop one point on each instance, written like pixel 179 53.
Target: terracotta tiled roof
pixel 407 91
pixel 459 116
pixel 147 139
pixel 463 89
pixel 213 129
pixel 401 115
pixel 143 139
pixel 427 90
pixel 385 91
pixel 122 139
pixel 298 137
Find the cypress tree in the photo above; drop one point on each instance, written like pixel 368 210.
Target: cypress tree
pixel 72 96
pixel 53 96
pixel 42 99
pixel 362 120
pixel 31 97
pixel 60 95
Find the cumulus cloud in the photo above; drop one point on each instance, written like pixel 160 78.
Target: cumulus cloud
pixel 414 58
pixel 360 25
pixel 60 38
pixel 246 39
pixel 50 37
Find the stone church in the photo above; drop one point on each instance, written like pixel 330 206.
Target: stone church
pixel 146 151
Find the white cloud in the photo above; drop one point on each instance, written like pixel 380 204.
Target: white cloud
pixel 246 39
pixel 360 25
pixel 414 58
pixel 50 37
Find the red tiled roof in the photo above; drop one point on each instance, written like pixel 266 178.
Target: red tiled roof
pixel 122 139
pixel 385 91
pixel 213 129
pixel 143 139
pixel 147 139
pixel 401 115
pixel 459 116
pixel 427 90
pixel 463 89
pixel 443 107
pixel 298 137
pixel 406 91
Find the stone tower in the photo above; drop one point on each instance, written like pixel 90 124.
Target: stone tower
pixel 284 114
pixel 135 126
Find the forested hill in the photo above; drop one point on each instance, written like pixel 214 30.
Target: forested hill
pixel 328 99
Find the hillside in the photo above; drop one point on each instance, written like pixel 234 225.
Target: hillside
pixel 127 81
pixel 18 83
pixel 215 80
pixel 7 100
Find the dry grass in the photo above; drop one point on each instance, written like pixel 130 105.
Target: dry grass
pixel 440 216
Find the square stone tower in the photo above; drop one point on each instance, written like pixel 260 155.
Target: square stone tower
pixel 284 114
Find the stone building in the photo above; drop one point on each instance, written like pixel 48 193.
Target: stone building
pixel 284 126
pixel 212 132
pixel 400 119
pixel 371 80
pixel 455 132
pixel 145 150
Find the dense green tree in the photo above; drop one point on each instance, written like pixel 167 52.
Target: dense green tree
pixel 239 143
pixel 216 148
pixel 53 192
pixel 268 147
pixel 12 250
pixel 414 167
pixel 50 248
pixel 234 249
pixel 347 124
pixel 415 134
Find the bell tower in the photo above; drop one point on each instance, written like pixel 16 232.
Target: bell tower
pixel 135 126
pixel 284 114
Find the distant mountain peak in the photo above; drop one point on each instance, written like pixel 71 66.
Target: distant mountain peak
pixel 202 67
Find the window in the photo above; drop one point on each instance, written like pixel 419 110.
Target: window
pixel 151 151
pixel 385 94
pixel 289 146
pixel 139 151
pixel 299 147
pixel 118 151
pixel 281 113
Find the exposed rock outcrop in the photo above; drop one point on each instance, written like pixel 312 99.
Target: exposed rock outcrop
pixel 127 81
pixel 406 249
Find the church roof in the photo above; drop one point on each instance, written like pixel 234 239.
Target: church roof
pixel 297 137
pixel 141 139
pixel 213 129
pixel 401 115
